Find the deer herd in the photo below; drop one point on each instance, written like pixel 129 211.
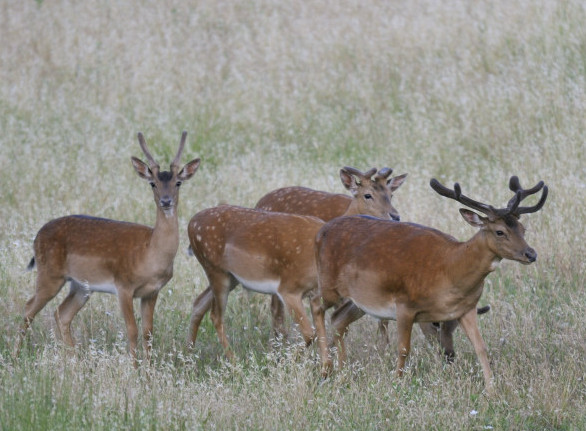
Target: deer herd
pixel 348 252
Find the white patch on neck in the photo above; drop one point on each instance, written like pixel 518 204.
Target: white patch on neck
pixel 261 286
pixel 494 264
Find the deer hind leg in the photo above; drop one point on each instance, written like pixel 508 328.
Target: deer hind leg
pixel 221 284
pixel 442 334
pixel 47 287
pixel 278 316
pixel 201 305
pixel 78 296
pixel 383 332
pixel 341 319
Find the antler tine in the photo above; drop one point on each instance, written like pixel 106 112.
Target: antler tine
pixel 383 174
pixel 534 208
pixel 359 174
pixel 521 193
pixel 143 146
pixel 457 195
pixel 175 161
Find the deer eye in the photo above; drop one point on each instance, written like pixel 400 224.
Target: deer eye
pixel 153 185
pixel 499 233
pixel 368 196
pixel 178 183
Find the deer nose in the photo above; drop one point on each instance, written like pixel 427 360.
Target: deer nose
pixel 166 202
pixel 396 217
pixel 531 255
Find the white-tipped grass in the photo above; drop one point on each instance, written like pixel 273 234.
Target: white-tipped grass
pixel 279 93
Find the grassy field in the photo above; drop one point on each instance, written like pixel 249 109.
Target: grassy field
pixel 276 93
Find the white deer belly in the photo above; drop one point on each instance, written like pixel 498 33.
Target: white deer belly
pixel 261 286
pixel 90 287
pixel 384 311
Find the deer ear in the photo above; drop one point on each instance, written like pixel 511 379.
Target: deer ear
pixel 396 182
pixel 472 218
pixel 188 170
pixel 141 169
pixel 349 181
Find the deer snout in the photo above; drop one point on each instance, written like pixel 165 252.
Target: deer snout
pixel 395 217
pixel 166 202
pixel 530 255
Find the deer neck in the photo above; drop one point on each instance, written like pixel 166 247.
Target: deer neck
pixel 165 237
pixel 472 261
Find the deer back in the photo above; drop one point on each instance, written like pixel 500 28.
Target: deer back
pixel 255 246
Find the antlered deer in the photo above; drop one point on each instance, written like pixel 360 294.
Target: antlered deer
pixel 100 255
pixel 327 206
pixel 269 252
pixel 412 273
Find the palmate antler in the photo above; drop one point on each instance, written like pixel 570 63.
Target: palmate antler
pixel 512 206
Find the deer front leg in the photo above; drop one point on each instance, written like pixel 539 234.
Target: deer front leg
pixel 295 305
pixel 470 326
pixel 278 316
pixel 125 301
pixel 147 311
pixel 404 328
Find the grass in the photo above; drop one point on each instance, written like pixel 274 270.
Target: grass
pixel 285 93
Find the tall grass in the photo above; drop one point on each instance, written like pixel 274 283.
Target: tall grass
pixel 279 93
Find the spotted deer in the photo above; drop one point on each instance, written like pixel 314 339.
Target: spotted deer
pixel 327 206
pixel 412 273
pixel 269 252
pixel 99 255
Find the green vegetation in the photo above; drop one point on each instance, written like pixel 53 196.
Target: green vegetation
pixel 276 93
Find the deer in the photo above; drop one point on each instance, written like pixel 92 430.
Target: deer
pixel 327 206
pixel 100 255
pixel 270 252
pixel 413 273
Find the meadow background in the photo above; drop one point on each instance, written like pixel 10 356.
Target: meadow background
pixel 276 93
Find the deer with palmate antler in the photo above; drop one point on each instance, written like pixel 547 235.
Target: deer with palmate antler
pixel 99 255
pixel 269 252
pixel 412 273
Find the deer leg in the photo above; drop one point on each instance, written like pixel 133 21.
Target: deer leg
pixel 470 326
pixel 383 332
pixel 221 286
pixel 78 296
pixel 404 328
pixel 278 316
pixel 319 305
pixel 447 339
pixel 127 309
pixel 201 305
pixel 293 301
pixel 147 311
pixel 47 287
pixel 341 319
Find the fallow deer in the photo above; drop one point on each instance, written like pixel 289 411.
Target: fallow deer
pixel 327 206
pixel 269 252
pixel 412 273
pixel 100 255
